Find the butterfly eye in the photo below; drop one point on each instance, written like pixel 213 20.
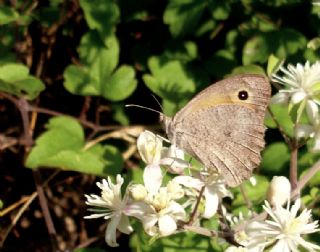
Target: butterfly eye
pixel 243 95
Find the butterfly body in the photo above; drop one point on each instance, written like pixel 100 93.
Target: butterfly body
pixel 223 126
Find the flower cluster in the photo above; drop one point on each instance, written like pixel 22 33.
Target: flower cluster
pixel 302 88
pixel 164 209
pixel 282 230
pixel 159 208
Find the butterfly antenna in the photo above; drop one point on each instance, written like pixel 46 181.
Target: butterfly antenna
pixel 139 106
pixel 157 101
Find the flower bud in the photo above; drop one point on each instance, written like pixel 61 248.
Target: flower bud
pixel 138 192
pixel 279 191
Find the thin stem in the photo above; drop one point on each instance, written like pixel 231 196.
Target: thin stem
pixel 27 201
pixel 294 165
pixel 228 236
pixel 44 204
pixel 305 179
pixel 194 213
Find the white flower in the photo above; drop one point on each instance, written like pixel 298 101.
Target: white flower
pixel 279 191
pixel 154 154
pixel 240 236
pixel 284 231
pixel 302 86
pixel 310 130
pixel 159 213
pixel 138 192
pixel 111 206
pixel 236 249
pixel 214 190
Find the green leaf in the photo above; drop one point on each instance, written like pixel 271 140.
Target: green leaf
pixel 185 53
pixel 99 75
pixel 170 79
pixel 8 15
pixel 275 158
pixel 120 85
pixel 171 108
pixel 102 58
pixel 314 43
pixel 255 193
pixel 62 146
pixel 219 9
pixel 77 80
pixel 282 43
pixel 119 114
pixel 251 69
pixel 205 28
pixel 281 115
pixel 182 16
pixel 101 15
pixel 15 79
pixel 274 64
pixel 1 204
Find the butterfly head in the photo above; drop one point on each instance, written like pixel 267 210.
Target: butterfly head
pixel 167 125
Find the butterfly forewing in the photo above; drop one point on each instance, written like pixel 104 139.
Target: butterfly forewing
pixel 223 130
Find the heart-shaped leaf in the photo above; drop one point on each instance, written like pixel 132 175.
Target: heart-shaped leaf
pixel 62 146
pixel 15 79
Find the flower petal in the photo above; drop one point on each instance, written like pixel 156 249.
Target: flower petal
pixel 149 147
pixel 167 225
pixel 298 97
pixel 304 131
pixel 212 202
pixel 312 111
pixel 124 225
pixel 280 97
pixel 279 191
pixel 189 182
pixel 152 178
pixel 316 145
pixel 175 165
pixel 111 230
pixel 281 245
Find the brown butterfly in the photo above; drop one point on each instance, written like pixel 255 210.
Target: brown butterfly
pixel 223 126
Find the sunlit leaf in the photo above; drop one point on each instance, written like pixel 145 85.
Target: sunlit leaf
pixel 275 158
pixel 62 146
pixel 15 79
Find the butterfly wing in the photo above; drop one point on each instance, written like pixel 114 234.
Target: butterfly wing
pixel 221 130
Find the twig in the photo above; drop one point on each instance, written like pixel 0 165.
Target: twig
pixel 17 217
pixel 293 164
pixel 228 236
pixel 14 206
pixel 305 179
pixel 194 213
pixel 123 133
pixel 84 122
pixel 28 200
pixel 85 108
